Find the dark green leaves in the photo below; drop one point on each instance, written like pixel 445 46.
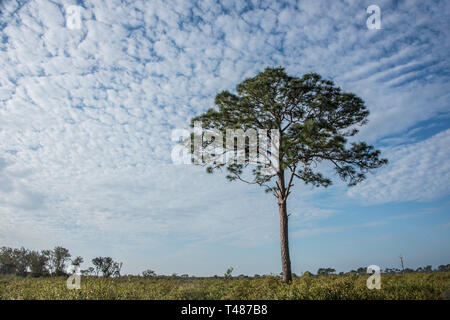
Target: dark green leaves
pixel 313 116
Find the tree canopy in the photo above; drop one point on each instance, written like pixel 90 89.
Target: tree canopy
pixel 313 116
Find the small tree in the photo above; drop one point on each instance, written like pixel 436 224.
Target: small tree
pixel 428 269
pixel 362 271
pixel 312 119
pixel 148 273
pixel 21 260
pixel 325 271
pixel 117 269
pixel 7 265
pixel 48 254
pixel 97 262
pixel 38 263
pixel 60 256
pixel 107 266
pixel 444 268
pixel 77 261
pixel 228 273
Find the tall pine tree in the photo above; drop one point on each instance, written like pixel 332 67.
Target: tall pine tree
pixel 313 119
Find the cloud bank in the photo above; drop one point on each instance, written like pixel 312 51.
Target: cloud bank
pixel 86 115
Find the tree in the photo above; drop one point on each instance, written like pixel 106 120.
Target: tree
pixel 107 266
pixel 97 262
pixel 48 254
pixel 77 261
pixel 428 269
pixel 228 273
pixel 7 261
pixel 444 268
pixel 325 271
pixel 21 260
pixel 38 263
pixel 148 273
pixel 117 267
pixel 312 120
pixel 60 256
pixel 361 271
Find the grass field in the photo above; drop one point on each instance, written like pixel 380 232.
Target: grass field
pixel 398 286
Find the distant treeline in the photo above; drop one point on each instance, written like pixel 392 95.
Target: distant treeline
pixel 363 270
pixel 23 262
pixel 45 263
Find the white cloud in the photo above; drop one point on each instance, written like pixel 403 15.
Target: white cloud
pixel 416 172
pixel 88 113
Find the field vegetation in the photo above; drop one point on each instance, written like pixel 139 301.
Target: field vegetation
pixel 30 275
pixel 434 285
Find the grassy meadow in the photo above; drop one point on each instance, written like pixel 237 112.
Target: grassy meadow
pixel 434 285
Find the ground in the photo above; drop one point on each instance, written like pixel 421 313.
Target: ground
pixel 398 286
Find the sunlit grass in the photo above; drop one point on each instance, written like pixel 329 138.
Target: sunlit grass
pixel 400 286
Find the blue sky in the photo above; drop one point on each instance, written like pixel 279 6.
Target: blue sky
pixel 86 117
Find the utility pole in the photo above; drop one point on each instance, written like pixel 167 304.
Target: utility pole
pixel 401 260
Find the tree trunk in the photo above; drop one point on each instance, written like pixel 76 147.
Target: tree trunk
pixel 284 239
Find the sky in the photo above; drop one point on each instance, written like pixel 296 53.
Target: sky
pixel 86 116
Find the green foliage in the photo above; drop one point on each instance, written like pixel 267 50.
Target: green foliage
pixel 107 266
pixel 393 286
pixel 314 119
pixel 38 263
pixel 60 257
pixel 7 264
pixel 442 268
pixel 148 273
pixel 23 261
pixel 77 261
pixel 325 271
pixel 228 273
